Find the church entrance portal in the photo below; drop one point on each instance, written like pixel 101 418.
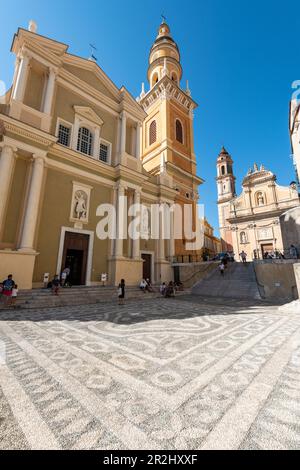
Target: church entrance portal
pixel 75 257
pixel 147 266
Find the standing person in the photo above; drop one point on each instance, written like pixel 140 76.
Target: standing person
pixel 163 289
pixel 121 292
pixel 55 285
pixel 293 252
pixel 65 276
pixel 8 286
pixel 14 295
pixel 243 256
pixel 222 269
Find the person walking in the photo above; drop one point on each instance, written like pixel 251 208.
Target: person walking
pixel 121 292
pixel 7 288
pixel 222 269
pixel 55 285
pixel 243 256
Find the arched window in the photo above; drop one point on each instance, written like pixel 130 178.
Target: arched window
pixel 243 237
pixel 154 79
pixel 152 133
pixel 260 199
pixel 174 77
pixel 85 141
pixel 223 170
pixel 179 131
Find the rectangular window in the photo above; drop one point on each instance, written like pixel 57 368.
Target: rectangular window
pixel 104 152
pixel 64 135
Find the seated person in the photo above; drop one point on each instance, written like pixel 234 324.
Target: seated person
pixel 149 287
pixel 143 285
pixel 170 290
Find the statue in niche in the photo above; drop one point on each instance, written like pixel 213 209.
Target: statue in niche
pixel 145 222
pixel 260 199
pixel 80 205
pixel 243 238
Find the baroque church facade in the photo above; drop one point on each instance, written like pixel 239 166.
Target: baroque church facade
pixel 70 141
pixel 251 221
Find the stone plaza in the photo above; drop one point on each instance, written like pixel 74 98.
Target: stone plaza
pixel 184 373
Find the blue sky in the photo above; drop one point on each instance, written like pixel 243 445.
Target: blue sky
pixel 240 57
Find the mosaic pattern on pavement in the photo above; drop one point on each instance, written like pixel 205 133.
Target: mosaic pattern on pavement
pixel 166 374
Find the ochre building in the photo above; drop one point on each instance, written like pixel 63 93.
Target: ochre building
pixel 250 222
pixel 70 141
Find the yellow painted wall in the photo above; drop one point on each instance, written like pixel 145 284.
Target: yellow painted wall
pixel 15 203
pixel 34 89
pixel 90 78
pixel 65 101
pixel 55 213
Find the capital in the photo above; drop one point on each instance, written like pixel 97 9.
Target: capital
pixel 39 159
pixel 53 70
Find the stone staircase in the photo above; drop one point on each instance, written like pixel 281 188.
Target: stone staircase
pixel 239 282
pixel 76 296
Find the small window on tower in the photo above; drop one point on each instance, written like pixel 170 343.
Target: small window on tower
pixel 152 133
pixel 179 131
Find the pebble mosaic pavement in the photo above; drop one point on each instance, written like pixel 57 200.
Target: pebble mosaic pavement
pixel 186 373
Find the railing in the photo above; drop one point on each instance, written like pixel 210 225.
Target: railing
pixel 185 259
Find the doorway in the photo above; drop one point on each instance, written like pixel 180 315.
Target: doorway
pixel 147 266
pixel 268 248
pixel 75 255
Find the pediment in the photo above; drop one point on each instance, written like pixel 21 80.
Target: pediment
pixel 90 72
pixel 88 114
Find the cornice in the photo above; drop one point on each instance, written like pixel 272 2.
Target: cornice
pixel 57 47
pixel 90 164
pixel 167 89
pixel 21 129
pixel 194 178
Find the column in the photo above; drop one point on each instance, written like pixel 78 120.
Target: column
pixel 119 251
pixel 32 209
pixel 161 241
pixel 6 172
pixel 115 205
pixel 138 141
pixel 137 243
pixel 123 133
pixel 22 75
pixel 172 234
pixel 96 145
pixel 49 91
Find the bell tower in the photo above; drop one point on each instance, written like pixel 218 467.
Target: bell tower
pixel 168 130
pixel 225 178
pixel 226 193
